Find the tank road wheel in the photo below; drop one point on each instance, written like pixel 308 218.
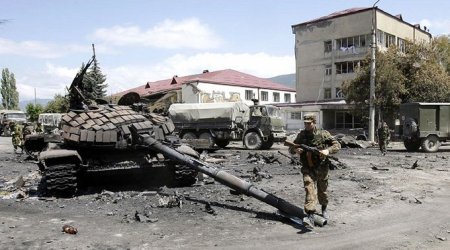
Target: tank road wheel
pixel 430 144
pixel 411 145
pixel 183 176
pixel 222 143
pixel 60 180
pixel 189 136
pixel 252 140
pixel 207 136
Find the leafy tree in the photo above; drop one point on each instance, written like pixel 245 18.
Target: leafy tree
pixel 441 45
pixel 59 104
pixel 33 111
pixel 418 75
pixel 10 96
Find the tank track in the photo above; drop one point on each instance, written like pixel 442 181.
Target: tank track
pixel 60 180
pixel 184 176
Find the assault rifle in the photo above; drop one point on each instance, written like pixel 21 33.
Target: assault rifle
pixel 293 160
pixel 315 151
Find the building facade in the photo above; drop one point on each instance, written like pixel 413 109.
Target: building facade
pixel 329 49
pixel 216 86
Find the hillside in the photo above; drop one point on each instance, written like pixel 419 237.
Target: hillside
pixel 23 104
pixel 288 80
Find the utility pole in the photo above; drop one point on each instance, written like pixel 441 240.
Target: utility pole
pixel 373 49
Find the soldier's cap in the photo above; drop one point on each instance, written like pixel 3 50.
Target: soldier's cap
pixel 309 118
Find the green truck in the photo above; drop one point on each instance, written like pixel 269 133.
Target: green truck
pixel 257 126
pixel 424 125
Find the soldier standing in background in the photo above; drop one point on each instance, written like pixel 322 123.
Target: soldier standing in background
pixel 315 167
pixel 16 136
pixel 384 136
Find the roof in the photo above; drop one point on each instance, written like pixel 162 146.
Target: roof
pixel 223 77
pixel 351 11
pixel 334 15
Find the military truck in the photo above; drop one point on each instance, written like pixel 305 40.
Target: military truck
pixel 424 125
pixel 8 116
pixel 50 121
pixel 258 126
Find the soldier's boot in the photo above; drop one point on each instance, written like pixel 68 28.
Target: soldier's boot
pixel 324 212
pixel 308 221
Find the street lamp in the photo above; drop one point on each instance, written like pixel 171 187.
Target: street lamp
pixel 373 49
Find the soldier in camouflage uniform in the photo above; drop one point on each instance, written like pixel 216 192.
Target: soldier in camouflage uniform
pixel 39 129
pixel 315 167
pixel 384 136
pixel 28 129
pixel 16 136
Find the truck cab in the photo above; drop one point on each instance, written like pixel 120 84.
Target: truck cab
pixel 8 116
pixel 265 126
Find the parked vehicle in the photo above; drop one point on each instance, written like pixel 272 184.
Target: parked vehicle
pixel 424 125
pixel 8 116
pixel 258 126
pixel 50 121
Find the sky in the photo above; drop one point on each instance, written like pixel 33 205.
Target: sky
pixel 45 42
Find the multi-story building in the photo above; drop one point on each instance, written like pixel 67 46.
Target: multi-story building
pixel 329 49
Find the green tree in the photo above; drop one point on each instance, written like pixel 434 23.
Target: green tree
pixel 33 111
pixel 441 45
pixel 59 104
pixel 10 96
pixel 389 87
pixel 94 82
pixel 418 75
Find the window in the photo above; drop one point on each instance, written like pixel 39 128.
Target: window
pixel 296 115
pixel 287 98
pixel 355 41
pixel 389 40
pixel 276 97
pixel 249 94
pixel 380 37
pixel 339 93
pixel 347 67
pixel 328 46
pixel 327 93
pixel 264 96
pixel 346 120
pixel 401 45
pixel 328 70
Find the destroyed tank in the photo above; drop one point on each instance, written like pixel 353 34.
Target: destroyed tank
pixel 109 137
pixel 102 138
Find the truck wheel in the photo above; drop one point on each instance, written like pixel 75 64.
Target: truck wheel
pixel 222 143
pixel 430 144
pixel 411 145
pixel 252 141
pixel 268 144
pixel 189 136
pixel 207 136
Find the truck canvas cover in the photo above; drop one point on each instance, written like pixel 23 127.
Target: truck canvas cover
pixel 208 113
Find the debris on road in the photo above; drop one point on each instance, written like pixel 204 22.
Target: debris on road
pixel 69 229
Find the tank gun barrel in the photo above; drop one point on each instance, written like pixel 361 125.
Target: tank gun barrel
pixel 226 179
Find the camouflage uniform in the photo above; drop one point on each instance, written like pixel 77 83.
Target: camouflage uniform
pixel 28 129
pixel 39 129
pixel 17 136
pixel 314 168
pixel 384 135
